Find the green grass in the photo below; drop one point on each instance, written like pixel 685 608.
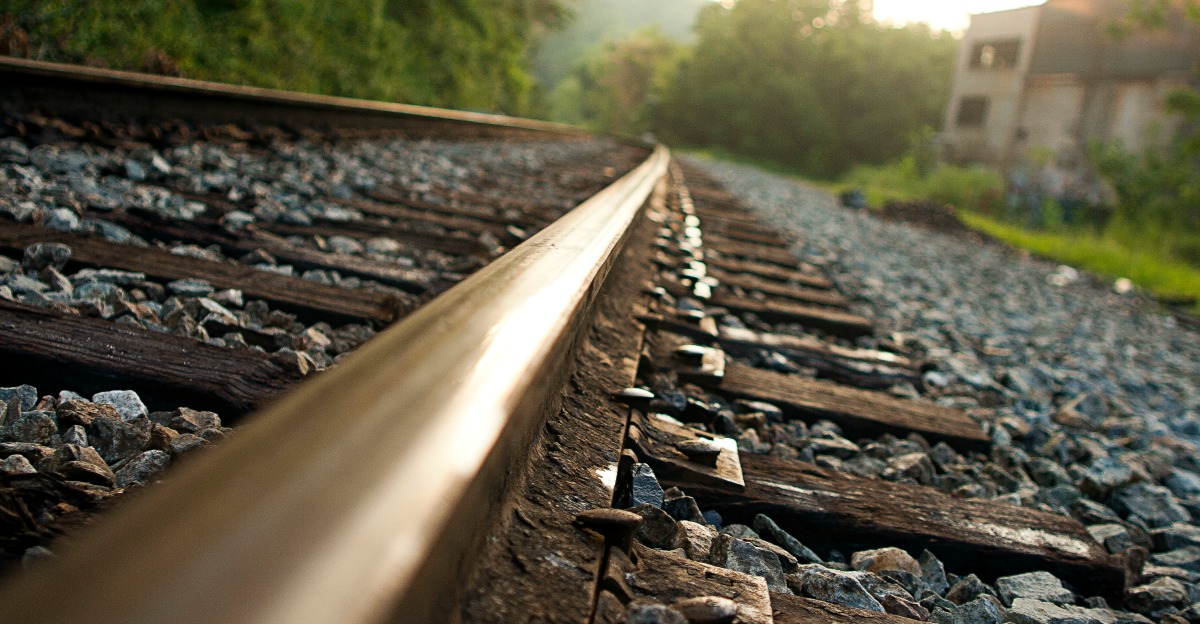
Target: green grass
pixel 1167 278
pixel 715 154
pixel 900 181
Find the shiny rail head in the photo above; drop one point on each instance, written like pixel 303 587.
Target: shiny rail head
pixel 343 501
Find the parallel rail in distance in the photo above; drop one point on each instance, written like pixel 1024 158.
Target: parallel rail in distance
pixel 53 88
pixel 355 498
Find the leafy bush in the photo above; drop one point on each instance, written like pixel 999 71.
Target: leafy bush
pixel 461 53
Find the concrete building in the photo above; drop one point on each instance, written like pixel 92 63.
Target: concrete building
pixel 1041 83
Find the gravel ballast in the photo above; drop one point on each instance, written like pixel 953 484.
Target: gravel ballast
pixel 1090 398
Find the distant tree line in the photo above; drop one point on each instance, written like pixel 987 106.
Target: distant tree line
pixel 812 85
pixel 459 53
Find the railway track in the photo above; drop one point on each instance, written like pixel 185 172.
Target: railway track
pixel 483 369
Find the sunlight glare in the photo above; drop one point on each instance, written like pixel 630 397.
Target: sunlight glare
pixel 952 15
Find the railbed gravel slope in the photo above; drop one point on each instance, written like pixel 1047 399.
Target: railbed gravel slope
pixel 991 318
pixel 1055 365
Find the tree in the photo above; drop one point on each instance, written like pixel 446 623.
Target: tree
pixel 813 85
pixel 615 89
pixel 461 53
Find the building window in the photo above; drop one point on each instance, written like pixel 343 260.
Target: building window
pixel 997 54
pixel 972 112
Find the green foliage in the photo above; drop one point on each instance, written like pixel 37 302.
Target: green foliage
pixel 1166 277
pixel 598 22
pixel 974 188
pixel 1158 190
pixel 614 89
pixel 461 53
pixel 810 84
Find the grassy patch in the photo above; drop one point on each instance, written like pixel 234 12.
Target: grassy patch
pixel 901 181
pixel 1165 277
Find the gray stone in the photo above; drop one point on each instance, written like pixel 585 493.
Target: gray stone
pixel 117 440
pixel 345 245
pixel 16 464
pixel 982 610
pixel 1091 512
pixel 707 610
pixel 942 455
pixel 127 403
pixel 739 531
pixel 76 435
pixel 1114 537
pixel 1105 475
pixel 26 396
pixel 63 220
pixel 683 508
pixel 786 560
pixel 835 446
pixel 1152 504
pixel 1176 535
pixel 771 532
pixel 742 556
pixel 1183 483
pixel 1025 611
pixel 879 587
pixel 933 573
pixel 383 246
pixel 644 488
pixel 35 426
pixel 695 539
pixel 649 613
pixel 35 556
pixel 658 529
pixel 45 255
pixel 878 560
pixel 135 170
pixel 967 589
pixel 1157 597
pixel 1040 585
pixel 833 586
pixel 143 468
pixel 110 276
pixel 1187 557
pixel 865 466
pixel 1047 473
pixel 190 287
pixel 932 601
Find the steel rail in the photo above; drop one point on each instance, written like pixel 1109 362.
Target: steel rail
pixel 359 497
pixel 54 88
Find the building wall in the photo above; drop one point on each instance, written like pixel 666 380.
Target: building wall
pixel 1001 85
pixel 1073 84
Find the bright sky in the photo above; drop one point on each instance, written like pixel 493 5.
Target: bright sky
pixel 950 15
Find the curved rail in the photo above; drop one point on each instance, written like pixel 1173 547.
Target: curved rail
pixel 355 498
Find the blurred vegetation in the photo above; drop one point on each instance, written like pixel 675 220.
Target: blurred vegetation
pixel 1168 278
pixel 596 23
pixel 459 53
pixel 616 89
pixel 811 85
